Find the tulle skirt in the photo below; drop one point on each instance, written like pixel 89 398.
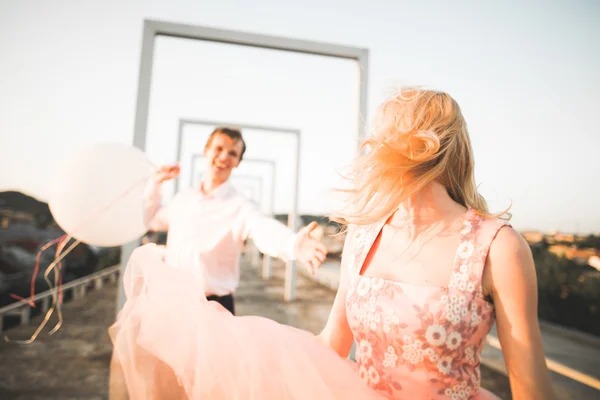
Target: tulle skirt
pixel 204 352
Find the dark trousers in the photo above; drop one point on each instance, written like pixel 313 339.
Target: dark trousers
pixel 226 301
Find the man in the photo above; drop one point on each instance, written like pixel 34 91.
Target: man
pixel 207 225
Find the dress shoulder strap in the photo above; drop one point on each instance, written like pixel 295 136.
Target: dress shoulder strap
pixel 476 237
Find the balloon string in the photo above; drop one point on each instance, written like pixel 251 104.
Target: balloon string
pixel 36 269
pixel 56 266
pixel 55 303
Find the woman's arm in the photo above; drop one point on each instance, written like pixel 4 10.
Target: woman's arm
pixel 510 278
pixel 337 333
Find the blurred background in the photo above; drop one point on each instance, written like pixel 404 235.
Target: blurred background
pixel 524 72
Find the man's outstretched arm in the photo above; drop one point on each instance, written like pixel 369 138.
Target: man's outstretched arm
pixel 277 240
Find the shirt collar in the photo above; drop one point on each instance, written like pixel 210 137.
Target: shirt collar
pixel 218 193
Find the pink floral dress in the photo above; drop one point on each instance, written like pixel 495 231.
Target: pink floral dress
pixel 422 342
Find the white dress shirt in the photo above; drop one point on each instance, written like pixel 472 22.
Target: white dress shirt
pixel 207 233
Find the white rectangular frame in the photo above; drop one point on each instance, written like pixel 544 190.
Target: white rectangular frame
pixel 152 29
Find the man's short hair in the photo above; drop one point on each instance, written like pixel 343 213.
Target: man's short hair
pixel 232 133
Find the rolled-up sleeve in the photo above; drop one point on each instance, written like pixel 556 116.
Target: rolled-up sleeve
pixel 156 217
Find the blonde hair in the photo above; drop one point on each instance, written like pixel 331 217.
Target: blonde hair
pixel 419 136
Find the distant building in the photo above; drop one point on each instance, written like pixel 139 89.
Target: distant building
pixel 533 237
pixel 579 256
pixel 564 237
pixel 559 250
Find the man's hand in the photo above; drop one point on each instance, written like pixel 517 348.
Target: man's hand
pixel 166 173
pixel 309 251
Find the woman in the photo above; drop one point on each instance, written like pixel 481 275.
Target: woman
pixel 425 270
pixel 428 268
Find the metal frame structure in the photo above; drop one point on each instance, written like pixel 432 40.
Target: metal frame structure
pixel 152 29
pixel 267 268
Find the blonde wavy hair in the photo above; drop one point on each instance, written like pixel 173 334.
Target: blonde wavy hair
pixel 419 136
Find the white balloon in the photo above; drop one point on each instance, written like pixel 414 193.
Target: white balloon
pixel 96 195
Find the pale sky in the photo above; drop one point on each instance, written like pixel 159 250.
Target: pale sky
pixel 524 72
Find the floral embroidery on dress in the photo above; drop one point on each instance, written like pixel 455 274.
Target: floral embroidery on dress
pixel 439 337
